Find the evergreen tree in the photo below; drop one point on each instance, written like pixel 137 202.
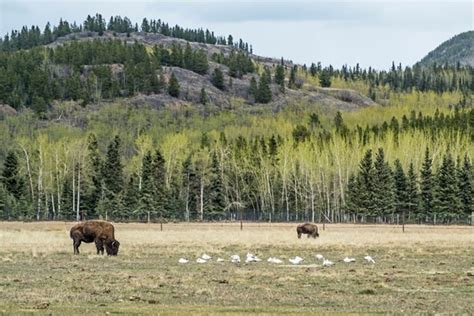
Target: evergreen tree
pixel 292 80
pixel 11 179
pixel 401 188
pixel 446 199
pixel 264 94
pixel 112 172
pixel 131 197
pixel 203 98
pixel 382 186
pixel 365 185
pixel 147 203
pixel 280 75
pixel 217 79
pixel 217 194
pixel 353 192
pixel 413 197
pixel 94 189
pixel 426 185
pixel 325 78
pixel 173 86
pixel 466 192
pixel 159 177
pixel 253 89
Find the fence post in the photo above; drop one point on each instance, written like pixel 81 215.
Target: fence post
pixel 161 225
pixel 403 222
pixel 241 225
pixel 472 218
pixel 148 218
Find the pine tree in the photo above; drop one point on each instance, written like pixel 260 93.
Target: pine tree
pixel 253 89
pixel 217 194
pixel 112 172
pixel 264 94
pixel 280 75
pixel 292 80
pixel 365 184
pixel 203 98
pixel 159 177
pixel 131 197
pixel 382 186
pixel 173 86
pixel 401 188
pixel 353 192
pixel 217 79
pixel 413 197
pixel 466 192
pixel 11 179
pixel 147 203
pixel 446 200
pixel 426 185
pixel 325 78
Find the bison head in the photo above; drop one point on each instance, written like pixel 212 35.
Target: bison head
pixel 112 248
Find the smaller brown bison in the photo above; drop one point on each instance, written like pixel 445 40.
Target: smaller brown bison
pixel 307 228
pixel 99 232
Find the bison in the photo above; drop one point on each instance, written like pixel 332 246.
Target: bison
pixel 307 228
pixel 99 232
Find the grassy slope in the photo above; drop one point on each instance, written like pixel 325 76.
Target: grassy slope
pixel 423 270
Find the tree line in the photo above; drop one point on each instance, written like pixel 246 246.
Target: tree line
pixel 31 37
pixel 311 173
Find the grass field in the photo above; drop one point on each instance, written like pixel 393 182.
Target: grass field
pixel 426 269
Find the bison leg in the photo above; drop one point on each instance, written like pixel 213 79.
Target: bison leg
pixel 99 244
pixel 309 235
pixel 76 244
pixel 299 235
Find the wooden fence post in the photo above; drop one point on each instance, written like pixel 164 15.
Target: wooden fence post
pixel 241 225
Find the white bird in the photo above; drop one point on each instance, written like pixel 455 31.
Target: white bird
pixel 206 257
pixel 182 260
pixel 235 259
pixel 296 260
pixel 348 260
pixel 369 259
pixel 274 260
pixel 220 260
pixel 319 257
pixel 201 260
pixel 327 263
pixel 252 258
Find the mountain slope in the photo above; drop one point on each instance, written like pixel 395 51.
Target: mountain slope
pixel 460 49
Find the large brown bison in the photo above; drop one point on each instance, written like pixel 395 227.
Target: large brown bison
pixel 307 228
pixel 99 232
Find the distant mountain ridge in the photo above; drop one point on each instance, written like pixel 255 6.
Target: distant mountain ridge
pixel 459 48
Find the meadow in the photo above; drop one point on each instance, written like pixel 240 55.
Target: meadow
pixel 426 269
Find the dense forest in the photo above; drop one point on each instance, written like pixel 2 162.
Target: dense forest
pixel 278 169
pixel 77 146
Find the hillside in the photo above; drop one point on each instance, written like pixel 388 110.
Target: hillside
pixel 459 48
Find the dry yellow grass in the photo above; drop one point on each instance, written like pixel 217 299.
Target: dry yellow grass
pixel 425 269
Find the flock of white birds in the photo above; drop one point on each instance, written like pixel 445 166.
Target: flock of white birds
pixel 205 258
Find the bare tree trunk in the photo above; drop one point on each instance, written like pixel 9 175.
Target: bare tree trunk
pixel 40 184
pixel 74 190
pixel 78 216
pixel 201 204
pixel 58 186
pixel 54 208
pixel 28 169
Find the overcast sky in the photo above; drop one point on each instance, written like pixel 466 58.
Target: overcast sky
pixel 372 33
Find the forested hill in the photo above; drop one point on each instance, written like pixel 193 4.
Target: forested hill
pixel 458 49
pixel 159 65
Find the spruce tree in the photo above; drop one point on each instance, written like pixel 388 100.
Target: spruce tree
pixel 466 192
pixel 131 197
pixel 203 98
pixel 382 186
pixel 446 199
pixel 365 184
pixel 94 161
pixel 159 177
pixel 413 197
pixel 280 75
pixel 426 185
pixel 147 203
pixel 325 78
pixel 253 88
pixel 112 172
pixel 264 94
pixel 11 179
pixel 292 80
pixel 173 86
pixel 353 193
pixel 401 188
pixel 217 195
pixel 217 79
